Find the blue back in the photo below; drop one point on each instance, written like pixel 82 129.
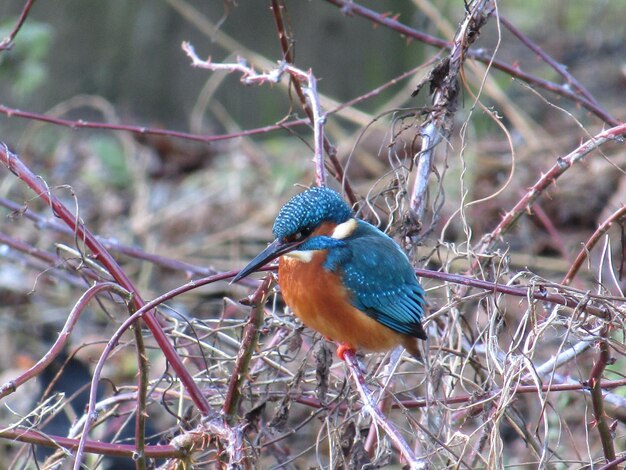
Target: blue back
pixel 380 278
pixel 373 268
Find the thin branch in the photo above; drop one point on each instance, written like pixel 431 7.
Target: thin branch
pixel 250 76
pixel 562 164
pixel 15 165
pixel 445 85
pixel 7 42
pixel 548 59
pixel 597 400
pixel 353 8
pixel 58 346
pixel 370 407
pixel 141 412
pixel 584 252
pixel 92 446
pixel 142 312
pixel 311 108
pixel 613 464
pixel 248 346
pixel 143 130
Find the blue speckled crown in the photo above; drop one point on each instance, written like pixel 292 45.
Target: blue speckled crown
pixel 309 209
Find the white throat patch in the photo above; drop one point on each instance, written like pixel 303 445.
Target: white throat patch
pixel 344 230
pixel 304 256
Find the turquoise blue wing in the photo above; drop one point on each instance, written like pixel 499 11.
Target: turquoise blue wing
pixel 381 280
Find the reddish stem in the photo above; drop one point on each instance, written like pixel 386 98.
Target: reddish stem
pixel 59 344
pixel 96 447
pixel 351 7
pixel 562 164
pixel 7 42
pixel 582 255
pixel 248 345
pixel 597 400
pixel 15 165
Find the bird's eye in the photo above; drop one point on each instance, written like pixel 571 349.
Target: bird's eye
pixel 301 235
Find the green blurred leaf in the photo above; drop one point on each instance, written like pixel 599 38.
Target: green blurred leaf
pixel 110 155
pixel 24 64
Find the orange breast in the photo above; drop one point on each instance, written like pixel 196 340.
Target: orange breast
pixel 317 297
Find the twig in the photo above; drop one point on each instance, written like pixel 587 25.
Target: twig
pixel 250 76
pixel 64 335
pixel 430 139
pixel 248 345
pixel 109 244
pixel 141 412
pixel 384 403
pixel 15 165
pixel 311 108
pixel 143 130
pixel 562 164
pixel 613 464
pixel 563 357
pixel 559 68
pixel 584 252
pixel 113 341
pixel 444 101
pixel 48 258
pixel 597 400
pixel 7 42
pixel 351 7
pixel 369 407
pixel 92 446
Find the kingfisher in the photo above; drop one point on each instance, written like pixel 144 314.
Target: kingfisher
pixel 342 276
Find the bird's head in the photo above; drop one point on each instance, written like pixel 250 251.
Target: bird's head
pixel 296 222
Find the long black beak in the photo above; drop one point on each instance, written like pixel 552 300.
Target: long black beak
pixel 274 250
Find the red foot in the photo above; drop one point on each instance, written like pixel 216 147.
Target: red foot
pixel 342 349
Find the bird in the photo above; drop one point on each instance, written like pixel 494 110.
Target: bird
pixel 342 276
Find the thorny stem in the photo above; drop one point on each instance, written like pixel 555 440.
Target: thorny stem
pixel 312 107
pixel 142 398
pixel 478 401
pixel 613 464
pixel 15 165
pixel 113 341
pixel 539 293
pixel 96 447
pixel 562 164
pixel 582 255
pixel 248 345
pixel 519 291
pixel 44 256
pixel 353 8
pixel 559 68
pixel 109 244
pixel 143 130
